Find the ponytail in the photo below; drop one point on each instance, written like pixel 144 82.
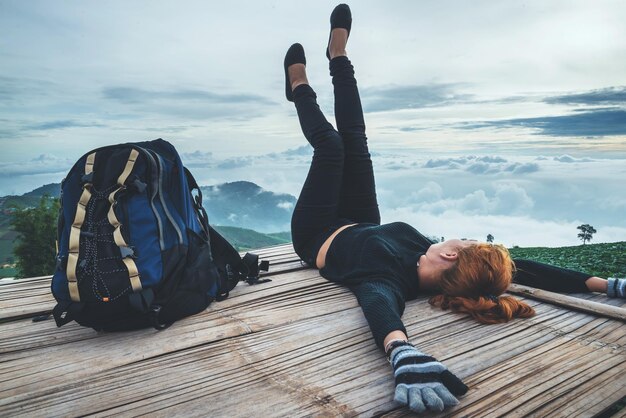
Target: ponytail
pixel 484 309
pixel 481 272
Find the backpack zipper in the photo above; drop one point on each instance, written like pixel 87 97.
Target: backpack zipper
pixel 167 211
pixel 155 175
pixel 157 162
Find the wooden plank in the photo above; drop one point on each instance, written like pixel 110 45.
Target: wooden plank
pixel 212 325
pixel 569 301
pixel 27 335
pixel 529 382
pixel 300 346
pixel 304 354
pixel 33 297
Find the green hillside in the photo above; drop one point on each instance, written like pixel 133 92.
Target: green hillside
pixel 602 260
pixel 246 239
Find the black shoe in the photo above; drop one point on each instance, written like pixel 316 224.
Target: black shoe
pixel 294 55
pixel 341 17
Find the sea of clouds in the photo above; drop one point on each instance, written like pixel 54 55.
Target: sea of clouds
pixel 520 200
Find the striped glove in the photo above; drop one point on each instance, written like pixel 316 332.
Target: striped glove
pixel 421 381
pixel 616 287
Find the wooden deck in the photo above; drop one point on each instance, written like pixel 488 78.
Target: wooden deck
pixel 300 346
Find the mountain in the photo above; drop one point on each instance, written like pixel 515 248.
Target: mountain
pixel 244 204
pixel 28 199
pixel 247 239
pixel 52 190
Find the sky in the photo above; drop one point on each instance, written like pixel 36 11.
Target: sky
pixel 500 117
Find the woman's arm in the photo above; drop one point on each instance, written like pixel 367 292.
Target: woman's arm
pixel 596 284
pixel 555 279
pixel 383 305
pixel 422 382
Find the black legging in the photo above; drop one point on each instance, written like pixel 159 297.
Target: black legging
pixel 339 188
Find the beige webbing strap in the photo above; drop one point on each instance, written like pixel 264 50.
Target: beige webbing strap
pixel 74 244
pixel 130 163
pixel 133 272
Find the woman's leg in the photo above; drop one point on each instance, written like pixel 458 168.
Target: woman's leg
pixel 317 206
pixel 358 190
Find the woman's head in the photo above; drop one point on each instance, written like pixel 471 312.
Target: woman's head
pixel 478 274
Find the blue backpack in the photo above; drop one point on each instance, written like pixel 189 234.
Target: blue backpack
pixel 135 248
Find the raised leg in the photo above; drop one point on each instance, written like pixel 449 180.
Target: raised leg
pixel 318 203
pixel 358 191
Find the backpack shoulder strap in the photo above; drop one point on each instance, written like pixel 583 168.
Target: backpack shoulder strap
pixel 127 253
pixel 79 218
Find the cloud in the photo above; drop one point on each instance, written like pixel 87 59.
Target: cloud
pixel 189 103
pixel 380 99
pixel 61 124
pixel 15 90
pixel 507 198
pixel 236 162
pixel 304 150
pixel 288 206
pixel 197 158
pixel 431 192
pixel 42 164
pixel 508 229
pixel 512 199
pixel 136 95
pixel 606 96
pixel 482 165
pixel 522 168
pixel 590 123
pixel 569 159
pixel 447 162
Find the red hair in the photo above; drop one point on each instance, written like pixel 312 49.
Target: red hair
pixel 481 273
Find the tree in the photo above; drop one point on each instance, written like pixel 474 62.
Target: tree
pixel 36 227
pixel 489 238
pixel 586 232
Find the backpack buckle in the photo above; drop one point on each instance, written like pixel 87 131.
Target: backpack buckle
pixel 61 263
pixel 155 310
pixel 87 178
pixel 128 252
pixel 139 185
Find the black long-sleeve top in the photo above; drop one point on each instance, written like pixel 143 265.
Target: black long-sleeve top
pixel 379 264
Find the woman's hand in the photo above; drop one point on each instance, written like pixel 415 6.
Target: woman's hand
pixel 422 382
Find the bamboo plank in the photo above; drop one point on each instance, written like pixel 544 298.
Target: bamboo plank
pixel 529 384
pixel 27 335
pixel 269 349
pixel 36 299
pixel 300 346
pixel 191 371
pixel 213 325
pixel 581 401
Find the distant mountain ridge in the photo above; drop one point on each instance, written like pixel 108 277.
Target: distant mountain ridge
pixel 51 189
pixel 241 204
pixel 244 204
pixel 244 211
